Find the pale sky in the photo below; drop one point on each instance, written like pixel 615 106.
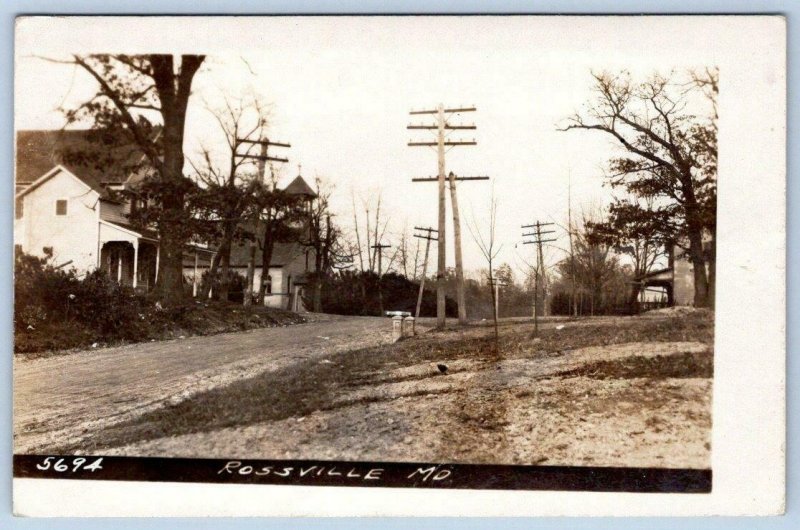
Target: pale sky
pixel 341 88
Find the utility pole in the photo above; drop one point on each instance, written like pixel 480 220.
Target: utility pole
pixel 379 249
pixel 428 236
pixel 538 241
pixel 441 143
pixel 262 160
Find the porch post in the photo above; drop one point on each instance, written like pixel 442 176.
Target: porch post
pixel 194 282
pixel 135 262
pixel 119 267
pixel 158 255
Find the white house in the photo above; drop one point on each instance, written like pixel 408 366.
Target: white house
pixel 75 213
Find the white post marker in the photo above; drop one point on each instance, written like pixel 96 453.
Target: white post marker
pixel 397 328
pixel 409 327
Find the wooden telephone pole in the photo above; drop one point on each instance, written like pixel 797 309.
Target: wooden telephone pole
pixel 440 144
pixel 428 236
pixel 262 160
pixel 538 241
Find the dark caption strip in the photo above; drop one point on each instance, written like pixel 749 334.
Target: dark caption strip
pixel 365 474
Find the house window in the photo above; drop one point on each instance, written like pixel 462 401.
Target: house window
pixel 18 210
pixel 268 284
pixel 61 207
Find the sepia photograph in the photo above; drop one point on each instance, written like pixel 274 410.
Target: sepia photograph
pixel 367 251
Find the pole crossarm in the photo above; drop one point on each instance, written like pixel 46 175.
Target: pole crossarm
pixel 270 158
pixel 450 143
pixel 263 142
pixel 539 241
pixel 539 233
pixel 425 229
pixel 537 224
pixel 447 127
pixel 436 111
pixel 436 179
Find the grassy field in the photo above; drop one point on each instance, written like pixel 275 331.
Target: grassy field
pixel 616 378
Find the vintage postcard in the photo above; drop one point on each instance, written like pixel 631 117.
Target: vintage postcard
pixel 413 265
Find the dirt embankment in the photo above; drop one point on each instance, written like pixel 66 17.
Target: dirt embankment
pixel 626 391
pixel 192 319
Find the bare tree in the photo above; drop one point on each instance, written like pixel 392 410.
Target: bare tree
pixel 489 247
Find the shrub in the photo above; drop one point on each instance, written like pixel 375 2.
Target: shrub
pixel 46 296
pixel 236 284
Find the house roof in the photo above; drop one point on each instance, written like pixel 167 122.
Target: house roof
pixel 96 158
pixel 93 184
pixel 653 274
pixel 299 187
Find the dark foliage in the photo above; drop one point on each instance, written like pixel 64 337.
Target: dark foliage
pixel 358 293
pixel 236 285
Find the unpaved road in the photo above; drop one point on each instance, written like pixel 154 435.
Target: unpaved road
pixel 63 399
pixel 513 411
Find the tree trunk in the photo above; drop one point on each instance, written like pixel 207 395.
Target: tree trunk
pixel 170 275
pixel 267 246
pixel 212 272
pixel 633 298
pixel 318 295
pixel 173 90
pixel 695 235
pixel 697 258
pixel 712 272
pixel 251 272
pixel 224 280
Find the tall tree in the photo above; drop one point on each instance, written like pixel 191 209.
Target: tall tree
pixel 135 93
pixel 671 152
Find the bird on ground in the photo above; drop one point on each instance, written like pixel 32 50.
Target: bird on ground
pixel 442 368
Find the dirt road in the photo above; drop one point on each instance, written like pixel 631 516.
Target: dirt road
pixel 63 399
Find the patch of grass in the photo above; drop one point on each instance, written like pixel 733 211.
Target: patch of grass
pixel 693 327
pixel 685 365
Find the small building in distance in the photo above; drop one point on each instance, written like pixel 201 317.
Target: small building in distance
pixel 673 284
